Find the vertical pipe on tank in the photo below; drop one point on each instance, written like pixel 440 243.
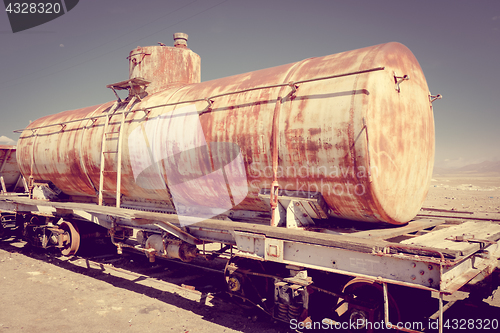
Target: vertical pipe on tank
pixel 180 40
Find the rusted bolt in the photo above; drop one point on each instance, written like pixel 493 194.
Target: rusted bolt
pixel 413 265
pixel 430 281
pixel 430 267
pixel 422 272
pixel 296 204
pixel 413 277
pixel 305 215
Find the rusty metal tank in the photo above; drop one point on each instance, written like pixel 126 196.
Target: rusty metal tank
pixel 355 126
pixel 165 67
pixel 10 177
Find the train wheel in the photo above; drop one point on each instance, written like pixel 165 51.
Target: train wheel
pixel 7 224
pixel 366 305
pixel 241 282
pixel 72 241
pixel 2 228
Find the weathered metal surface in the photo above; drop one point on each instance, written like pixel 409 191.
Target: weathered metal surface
pixel 55 152
pixel 367 147
pixel 164 66
pixel 10 176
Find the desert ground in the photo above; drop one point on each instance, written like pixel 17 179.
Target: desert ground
pixel 44 292
pixel 477 193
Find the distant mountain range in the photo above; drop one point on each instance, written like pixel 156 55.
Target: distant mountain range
pixel 486 167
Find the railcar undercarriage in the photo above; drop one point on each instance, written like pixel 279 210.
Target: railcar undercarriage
pixel 351 276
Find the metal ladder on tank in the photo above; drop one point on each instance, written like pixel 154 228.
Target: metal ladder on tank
pixel 109 135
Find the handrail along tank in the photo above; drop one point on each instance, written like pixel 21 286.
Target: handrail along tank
pixel 355 126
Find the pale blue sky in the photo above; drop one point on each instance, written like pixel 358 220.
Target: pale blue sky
pixel 67 63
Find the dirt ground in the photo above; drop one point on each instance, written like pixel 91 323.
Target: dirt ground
pixel 46 293
pixel 477 193
pixel 42 292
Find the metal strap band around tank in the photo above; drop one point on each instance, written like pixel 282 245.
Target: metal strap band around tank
pixel 210 101
pixel 273 198
pixel 120 148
